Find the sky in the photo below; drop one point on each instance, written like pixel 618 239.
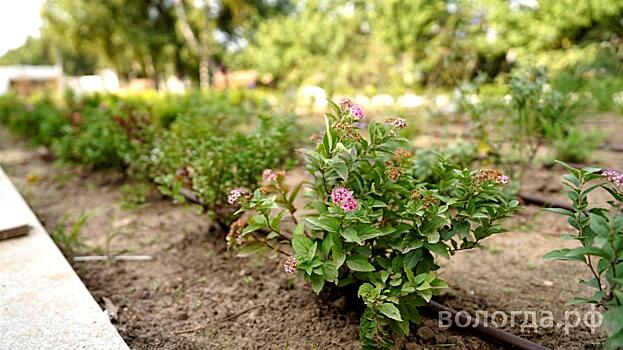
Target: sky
pixel 18 20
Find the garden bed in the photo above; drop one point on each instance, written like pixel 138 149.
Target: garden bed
pixel 195 294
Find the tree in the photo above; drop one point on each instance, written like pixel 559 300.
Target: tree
pixel 200 21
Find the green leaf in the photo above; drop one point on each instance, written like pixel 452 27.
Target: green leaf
pixel 317 282
pixel 576 254
pixel 365 232
pixel 561 211
pixel 329 271
pixel 252 227
pixel 359 263
pixel 390 310
pixel 326 223
pixel 304 247
pixel 599 224
pixel 350 235
pixel 336 249
pixel 366 291
pixel 614 342
pixel 613 320
pixel 438 248
pixel 412 258
pixel 341 169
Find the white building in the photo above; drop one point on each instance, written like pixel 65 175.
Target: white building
pixel 23 77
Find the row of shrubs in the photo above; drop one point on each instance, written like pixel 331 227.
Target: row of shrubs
pixel 206 143
pixel 379 214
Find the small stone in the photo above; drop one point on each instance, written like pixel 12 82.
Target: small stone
pixel 547 283
pixel 412 346
pixel 440 338
pixel 340 303
pixel 425 333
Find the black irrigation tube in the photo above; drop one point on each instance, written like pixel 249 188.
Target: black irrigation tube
pixel 492 333
pixel 610 148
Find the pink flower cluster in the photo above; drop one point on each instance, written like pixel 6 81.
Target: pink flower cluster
pixel 289 266
pixel 503 179
pixel 614 176
pixel 356 112
pixel 344 198
pixel 269 175
pixel 396 122
pixel 234 195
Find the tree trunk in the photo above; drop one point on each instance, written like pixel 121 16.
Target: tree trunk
pixel 204 72
pixel 200 48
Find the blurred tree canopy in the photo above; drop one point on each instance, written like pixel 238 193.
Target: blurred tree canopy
pixel 338 44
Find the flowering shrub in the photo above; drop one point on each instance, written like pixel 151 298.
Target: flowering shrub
pixel 600 235
pixel 372 222
pixel 207 155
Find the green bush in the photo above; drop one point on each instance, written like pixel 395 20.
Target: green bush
pixel 577 145
pixel 539 114
pixel 211 154
pixel 105 137
pixel 373 223
pixel 599 232
pixel 37 118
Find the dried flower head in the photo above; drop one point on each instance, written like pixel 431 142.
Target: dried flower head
pixel 235 232
pixel 614 176
pixel 356 112
pixel 345 103
pixel 416 195
pixel 401 155
pixel 396 122
pixel 392 171
pixel 491 175
pixel 348 130
pixel 234 195
pixel 184 176
pixel 289 266
pixel 344 198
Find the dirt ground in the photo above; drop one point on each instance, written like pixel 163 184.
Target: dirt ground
pixel 195 294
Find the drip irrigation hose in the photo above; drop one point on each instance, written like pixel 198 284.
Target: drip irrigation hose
pixel 491 333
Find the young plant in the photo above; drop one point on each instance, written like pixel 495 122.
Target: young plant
pixel 540 114
pixel 371 221
pixel 600 235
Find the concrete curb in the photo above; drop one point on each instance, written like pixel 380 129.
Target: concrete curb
pixel 43 303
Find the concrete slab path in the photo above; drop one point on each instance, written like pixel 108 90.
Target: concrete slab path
pixel 43 303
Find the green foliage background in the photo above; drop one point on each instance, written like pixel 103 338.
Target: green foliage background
pixel 340 45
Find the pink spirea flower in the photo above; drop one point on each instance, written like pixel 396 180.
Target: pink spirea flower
pixel 349 205
pixel 234 195
pixel 269 175
pixel 344 198
pixel 356 112
pixel 503 179
pixel 289 266
pixel 396 122
pixel 614 176
pixel 345 102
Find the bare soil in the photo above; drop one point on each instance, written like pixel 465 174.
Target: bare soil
pixel 195 294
